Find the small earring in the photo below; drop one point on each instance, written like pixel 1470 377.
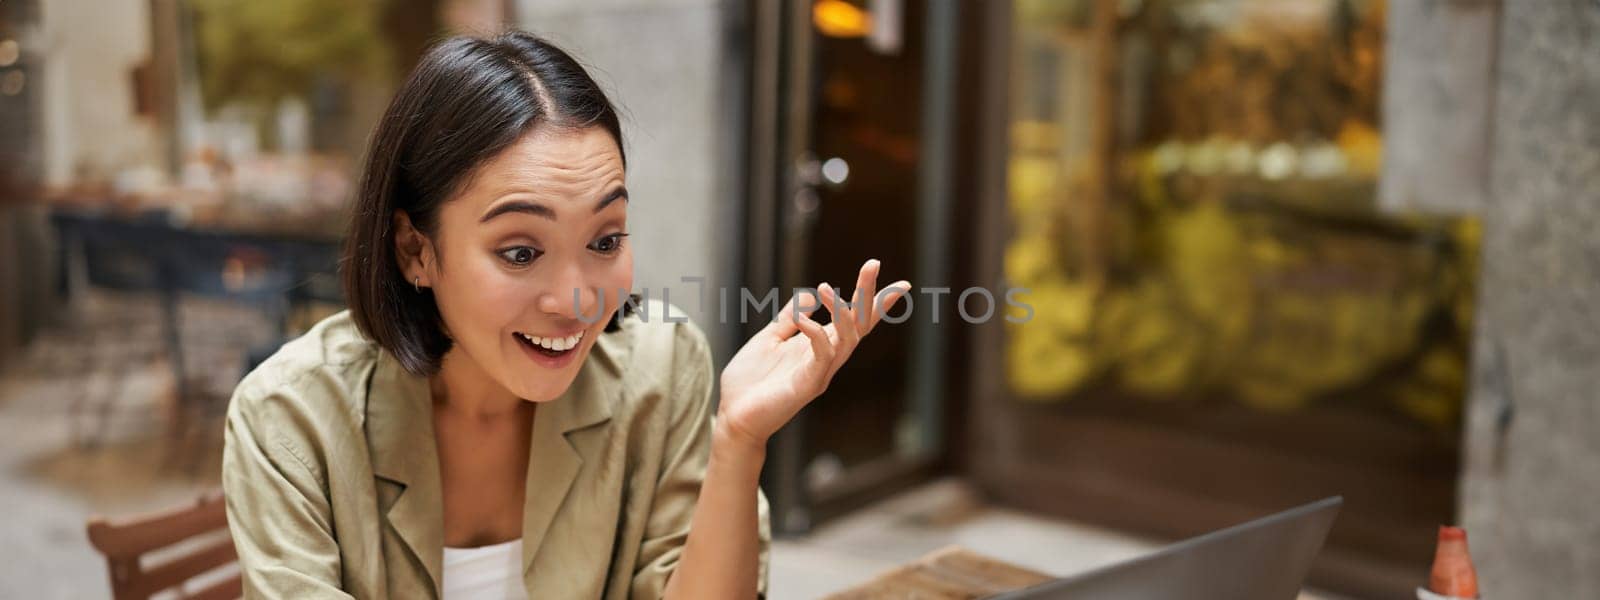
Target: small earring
pixel 417 283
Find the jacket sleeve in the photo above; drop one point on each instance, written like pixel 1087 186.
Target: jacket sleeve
pixel 277 503
pixel 687 451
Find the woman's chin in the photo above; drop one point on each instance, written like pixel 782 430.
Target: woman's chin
pixel 542 385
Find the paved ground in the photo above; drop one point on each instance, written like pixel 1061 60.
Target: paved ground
pixel 85 419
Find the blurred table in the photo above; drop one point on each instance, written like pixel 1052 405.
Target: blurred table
pixel 148 252
pixel 949 573
pixel 274 273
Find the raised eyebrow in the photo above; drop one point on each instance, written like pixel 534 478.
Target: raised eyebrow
pixel 534 208
pixel 518 206
pixel 618 193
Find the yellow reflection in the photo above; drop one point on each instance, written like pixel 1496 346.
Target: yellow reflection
pixel 840 19
pixel 1233 250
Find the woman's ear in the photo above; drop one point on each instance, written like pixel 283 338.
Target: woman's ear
pixel 412 250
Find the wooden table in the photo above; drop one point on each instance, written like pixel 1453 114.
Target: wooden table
pixel 949 573
pixel 952 573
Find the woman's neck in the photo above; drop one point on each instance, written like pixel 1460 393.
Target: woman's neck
pixel 462 389
pixel 483 434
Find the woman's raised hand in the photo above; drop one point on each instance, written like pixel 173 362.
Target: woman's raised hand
pixel 790 361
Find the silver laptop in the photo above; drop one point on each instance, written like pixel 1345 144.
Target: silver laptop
pixel 1264 559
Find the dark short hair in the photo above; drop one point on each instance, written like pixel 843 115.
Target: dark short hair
pixel 467 100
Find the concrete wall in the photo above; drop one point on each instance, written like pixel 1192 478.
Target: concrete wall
pixel 91 48
pixel 1531 475
pixel 1531 491
pixel 1438 100
pixel 666 65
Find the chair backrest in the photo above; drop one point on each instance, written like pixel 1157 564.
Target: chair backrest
pixel 127 542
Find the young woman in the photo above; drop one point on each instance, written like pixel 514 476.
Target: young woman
pixel 484 422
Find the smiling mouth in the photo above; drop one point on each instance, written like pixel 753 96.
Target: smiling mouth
pixel 550 346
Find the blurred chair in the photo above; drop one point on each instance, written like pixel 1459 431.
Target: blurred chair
pixel 189 546
pixel 110 334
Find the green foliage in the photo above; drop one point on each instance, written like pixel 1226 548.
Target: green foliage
pixel 257 53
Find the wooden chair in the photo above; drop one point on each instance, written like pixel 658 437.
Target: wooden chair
pixel 126 544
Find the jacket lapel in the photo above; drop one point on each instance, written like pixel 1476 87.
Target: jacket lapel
pixel 405 455
pixel 564 433
pixel 405 459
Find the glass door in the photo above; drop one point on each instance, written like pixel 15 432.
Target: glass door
pixel 838 174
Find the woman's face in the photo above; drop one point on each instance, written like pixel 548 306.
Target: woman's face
pixel 522 254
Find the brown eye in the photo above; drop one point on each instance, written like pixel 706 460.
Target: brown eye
pixel 520 255
pixel 608 244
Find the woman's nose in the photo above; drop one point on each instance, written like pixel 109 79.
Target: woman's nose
pixel 570 296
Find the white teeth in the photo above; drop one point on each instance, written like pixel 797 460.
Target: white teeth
pixel 556 344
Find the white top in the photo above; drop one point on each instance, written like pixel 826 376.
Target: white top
pixel 484 573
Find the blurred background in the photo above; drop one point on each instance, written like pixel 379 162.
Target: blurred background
pixel 1276 250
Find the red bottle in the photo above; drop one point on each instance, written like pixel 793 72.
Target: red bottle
pixel 1453 574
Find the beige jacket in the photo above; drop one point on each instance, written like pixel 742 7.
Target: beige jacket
pixel 332 475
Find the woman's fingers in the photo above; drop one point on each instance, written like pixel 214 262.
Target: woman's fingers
pixel 834 343
pixel 821 346
pixel 865 293
pixel 784 326
pixel 889 296
pixel 844 320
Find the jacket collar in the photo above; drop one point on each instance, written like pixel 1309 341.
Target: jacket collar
pixel 405 456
